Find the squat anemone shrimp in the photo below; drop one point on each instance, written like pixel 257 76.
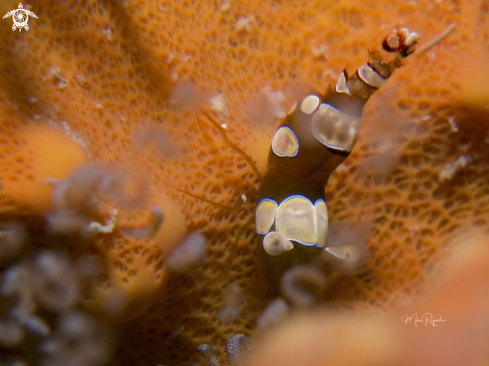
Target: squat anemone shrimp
pixel 315 137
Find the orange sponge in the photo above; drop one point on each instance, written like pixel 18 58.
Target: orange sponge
pixel 134 272
pixel 37 155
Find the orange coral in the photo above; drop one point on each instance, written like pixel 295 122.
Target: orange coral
pixel 106 69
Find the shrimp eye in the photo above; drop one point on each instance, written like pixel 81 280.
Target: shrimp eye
pixel 275 243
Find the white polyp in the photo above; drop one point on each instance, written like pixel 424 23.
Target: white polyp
pixel 309 104
pixel 55 284
pixel 188 254
pixel 77 340
pixel 276 311
pixel 343 254
pixel 293 281
pixel 370 76
pixel 275 243
pixel 35 325
pixel 347 258
pixel 149 229
pixel 96 227
pixel 232 303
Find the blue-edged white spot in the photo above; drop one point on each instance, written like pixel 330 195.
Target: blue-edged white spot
pixel 335 129
pixel 309 104
pixel 321 222
pixel 370 76
pixel 296 220
pixel 265 213
pixel 285 142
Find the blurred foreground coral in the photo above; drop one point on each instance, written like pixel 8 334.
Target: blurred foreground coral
pixel 446 326
pixel 124 164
